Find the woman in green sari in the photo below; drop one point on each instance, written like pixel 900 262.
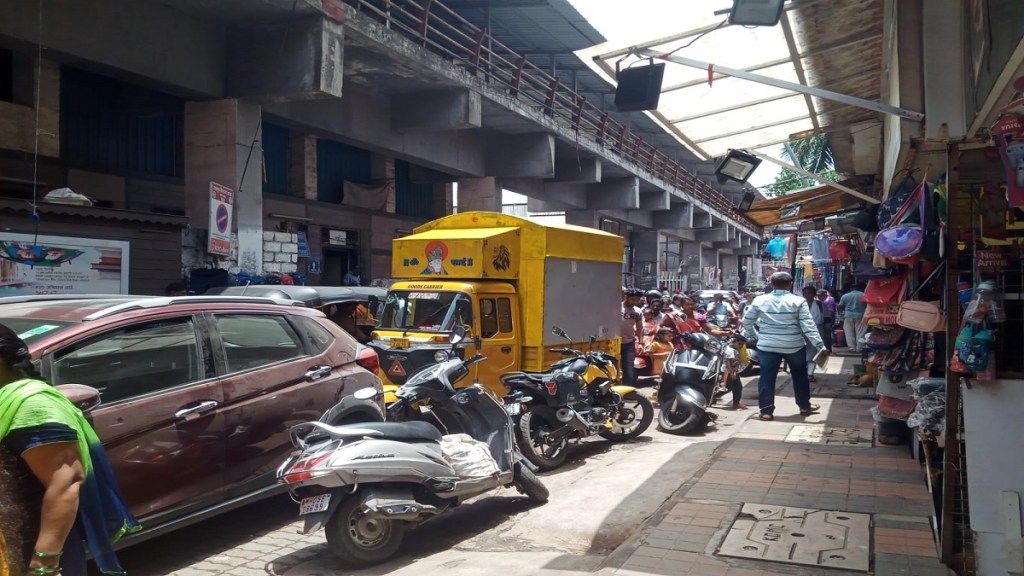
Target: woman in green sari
pixel 57 491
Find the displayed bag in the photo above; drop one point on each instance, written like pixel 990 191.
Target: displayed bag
pixel 865 268
pixel 867 218
pixel 884 338
pixel 902 242
pixel 933 244
pixel 881 314
pixel 839 250
pixel 974 347
pixel 894 209
pixel 922 316
pixel 895 408
pixel 885 290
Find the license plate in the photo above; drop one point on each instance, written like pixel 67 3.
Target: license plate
pixel 399 342
pixel 513 409
pixel 314 504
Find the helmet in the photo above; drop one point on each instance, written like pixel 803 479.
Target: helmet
pixel 652 295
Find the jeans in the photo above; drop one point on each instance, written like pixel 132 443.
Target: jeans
pixel 826 332
pixel 628 354
pixel 770 363
pixel 854 329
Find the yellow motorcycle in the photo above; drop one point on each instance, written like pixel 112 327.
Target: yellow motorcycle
pixel 577 397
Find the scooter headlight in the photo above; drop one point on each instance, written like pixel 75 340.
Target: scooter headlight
pixel 713 346
pixel 440 356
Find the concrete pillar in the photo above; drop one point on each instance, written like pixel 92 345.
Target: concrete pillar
pixel 382 169
pixel 218 136
pixel 730 271
pixel 443 193
pixel 587 218
pixel 479 195
pixel 645 257
pixel 302 166
pixel 18 119
pixel 709 257
pixel 690 260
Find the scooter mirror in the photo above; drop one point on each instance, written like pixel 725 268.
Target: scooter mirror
pixel 559 332
pixel 366 393
pixel 457 335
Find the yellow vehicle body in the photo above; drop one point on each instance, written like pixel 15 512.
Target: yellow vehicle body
pixel 507 280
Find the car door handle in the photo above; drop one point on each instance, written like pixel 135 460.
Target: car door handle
pixel 317 372
pixel 192 412
pixel 506 349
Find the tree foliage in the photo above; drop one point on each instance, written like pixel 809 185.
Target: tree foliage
pixel 812 154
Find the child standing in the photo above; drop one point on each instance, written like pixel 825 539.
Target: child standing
pixel 660 348
pixel 730 370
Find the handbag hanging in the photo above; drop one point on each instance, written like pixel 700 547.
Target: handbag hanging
pixel 922 316
pixel 885 290
pixel 895 207
pixel 902 242
pixel 865 268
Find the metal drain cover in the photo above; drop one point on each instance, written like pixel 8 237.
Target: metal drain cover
pixel 819 434
pixel 800 536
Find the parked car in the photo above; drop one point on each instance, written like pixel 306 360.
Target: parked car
pixel 196 394
pixel 330 300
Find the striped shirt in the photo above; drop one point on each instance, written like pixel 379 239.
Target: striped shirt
pixel 785 322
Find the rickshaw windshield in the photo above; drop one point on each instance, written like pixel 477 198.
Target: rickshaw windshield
pixel 426 311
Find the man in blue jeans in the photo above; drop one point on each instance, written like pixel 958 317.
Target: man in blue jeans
pixel 785 328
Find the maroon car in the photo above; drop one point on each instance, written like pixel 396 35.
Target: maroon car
pixel 196 393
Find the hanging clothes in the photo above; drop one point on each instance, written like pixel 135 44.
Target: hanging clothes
pixel 818 245
pixel 777 248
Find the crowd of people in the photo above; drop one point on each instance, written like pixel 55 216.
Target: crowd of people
pixel 786 329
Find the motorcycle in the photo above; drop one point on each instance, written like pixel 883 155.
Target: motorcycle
pixel 364 484
pixel 689 384
pixel 576 398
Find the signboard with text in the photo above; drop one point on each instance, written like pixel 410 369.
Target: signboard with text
pixel 31 265
pixel 221 198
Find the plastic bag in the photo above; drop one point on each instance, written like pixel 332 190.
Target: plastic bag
pixel 930 412
pixel 468 457
pixel 925 386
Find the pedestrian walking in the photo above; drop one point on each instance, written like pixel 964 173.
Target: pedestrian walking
pixel 817 310
pixel 353 277
pixel 57 489
pixel 631 329
pixel 784 322
pixel 852 309
pixel 830 316
pixel 660 348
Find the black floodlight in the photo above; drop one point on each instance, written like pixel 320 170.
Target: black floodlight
pixel 756 12
pixel 737 165
pixel 746 201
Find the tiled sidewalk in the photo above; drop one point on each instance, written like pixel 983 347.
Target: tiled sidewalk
pixel 758 466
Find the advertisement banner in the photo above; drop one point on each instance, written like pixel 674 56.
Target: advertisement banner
pixel 221 198
pixel 32 265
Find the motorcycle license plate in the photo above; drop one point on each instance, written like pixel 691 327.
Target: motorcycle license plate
pixel 399 342
pixel 314 504
pixel 513 409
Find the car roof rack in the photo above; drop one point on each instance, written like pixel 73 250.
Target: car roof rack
pixel 161 301
pixel 58 297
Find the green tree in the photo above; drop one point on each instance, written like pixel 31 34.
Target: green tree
pixel 812 154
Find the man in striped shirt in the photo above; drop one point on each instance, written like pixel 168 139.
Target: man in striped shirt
pixel 784 326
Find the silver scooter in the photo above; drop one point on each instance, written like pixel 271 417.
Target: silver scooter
pixel 366 483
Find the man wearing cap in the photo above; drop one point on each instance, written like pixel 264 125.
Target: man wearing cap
pixel 781 324
pixel 826 299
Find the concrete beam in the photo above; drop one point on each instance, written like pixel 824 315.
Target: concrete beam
pixel 364 119
pixel 139 41
pixel 718 233
pixel 583 170
pixel 657 200
pixel 420 175
pixel 614 193
pixel 521 156
pixel 436 110
pixel 677 216
pixel 299 61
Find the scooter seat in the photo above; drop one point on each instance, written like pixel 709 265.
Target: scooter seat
pixel 404 430
pixel 534 377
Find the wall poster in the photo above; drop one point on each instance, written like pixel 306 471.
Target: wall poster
pixel 32 265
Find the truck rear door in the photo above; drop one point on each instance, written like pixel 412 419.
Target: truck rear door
pixel 500 338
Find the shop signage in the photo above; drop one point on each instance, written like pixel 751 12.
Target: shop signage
pixel 992 259
pixel 31 265
pixel 221 198
pixel 303 245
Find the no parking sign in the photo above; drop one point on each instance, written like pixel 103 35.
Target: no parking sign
pixel 220 220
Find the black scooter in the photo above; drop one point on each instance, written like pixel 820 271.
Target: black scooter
pixel 689 384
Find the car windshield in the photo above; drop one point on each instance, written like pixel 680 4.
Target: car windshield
pixel 32 329
pixel 429 311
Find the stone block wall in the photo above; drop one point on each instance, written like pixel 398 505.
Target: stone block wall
pixel 280 252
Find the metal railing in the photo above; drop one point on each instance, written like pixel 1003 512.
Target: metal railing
pixel 440 29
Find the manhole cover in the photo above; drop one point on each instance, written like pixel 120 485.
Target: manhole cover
pixel 800 536
pixel 819 434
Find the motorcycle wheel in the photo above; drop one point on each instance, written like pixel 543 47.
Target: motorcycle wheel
pixel 631 404
pixel 677 416
pixel 527 482
pixel 531 430
pixel 359 540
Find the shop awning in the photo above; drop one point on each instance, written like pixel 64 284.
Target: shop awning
pixel 45 208
pixel 810 203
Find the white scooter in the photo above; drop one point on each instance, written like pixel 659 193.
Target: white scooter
pixel 365 483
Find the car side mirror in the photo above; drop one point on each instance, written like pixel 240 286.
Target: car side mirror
pixel 85 398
